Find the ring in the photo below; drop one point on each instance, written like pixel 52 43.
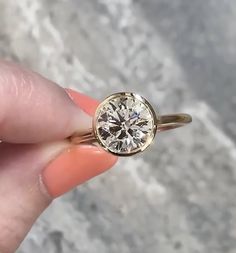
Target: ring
pixel 125 124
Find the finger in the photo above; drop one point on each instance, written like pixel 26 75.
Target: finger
pixel 24 196
pixel 82 101
pixel 34 109
pixel 29 178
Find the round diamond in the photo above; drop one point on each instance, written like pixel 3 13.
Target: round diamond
pixel 125 123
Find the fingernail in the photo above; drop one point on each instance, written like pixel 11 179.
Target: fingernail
pixel 74 166
pixel 86 103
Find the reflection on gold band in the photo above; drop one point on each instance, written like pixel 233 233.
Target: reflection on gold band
pixel 167 122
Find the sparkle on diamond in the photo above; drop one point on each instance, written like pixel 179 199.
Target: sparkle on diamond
pixel 124 124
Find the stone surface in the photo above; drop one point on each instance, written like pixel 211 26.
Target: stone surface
pixel 125 124
pixel 179 196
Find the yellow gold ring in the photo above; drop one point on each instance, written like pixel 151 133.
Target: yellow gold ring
pixel 125 124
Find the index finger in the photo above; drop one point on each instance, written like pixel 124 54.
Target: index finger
pixel 34 109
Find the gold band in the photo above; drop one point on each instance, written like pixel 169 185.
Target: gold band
pixel 87 137
pixel 165 122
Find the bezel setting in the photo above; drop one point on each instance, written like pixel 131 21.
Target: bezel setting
pixel 147 130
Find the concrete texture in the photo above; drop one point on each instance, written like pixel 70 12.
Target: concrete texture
pixel 179 196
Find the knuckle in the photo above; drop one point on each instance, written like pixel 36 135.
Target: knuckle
pixel 16 83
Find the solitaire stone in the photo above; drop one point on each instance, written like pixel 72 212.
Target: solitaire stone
pixel 125 124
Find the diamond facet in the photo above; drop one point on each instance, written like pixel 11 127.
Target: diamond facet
pixel 125 123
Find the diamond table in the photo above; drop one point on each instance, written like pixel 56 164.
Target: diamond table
pixel 125 124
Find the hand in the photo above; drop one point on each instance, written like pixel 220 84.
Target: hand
pixel 37 164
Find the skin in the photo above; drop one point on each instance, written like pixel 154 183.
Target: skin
pixel 37 163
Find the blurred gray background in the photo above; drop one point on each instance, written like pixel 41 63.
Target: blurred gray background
pixel 180 195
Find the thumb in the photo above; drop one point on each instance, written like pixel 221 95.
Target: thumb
pixel 31 175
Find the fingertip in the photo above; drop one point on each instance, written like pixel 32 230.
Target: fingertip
pixel 74 166
pixel 86 103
